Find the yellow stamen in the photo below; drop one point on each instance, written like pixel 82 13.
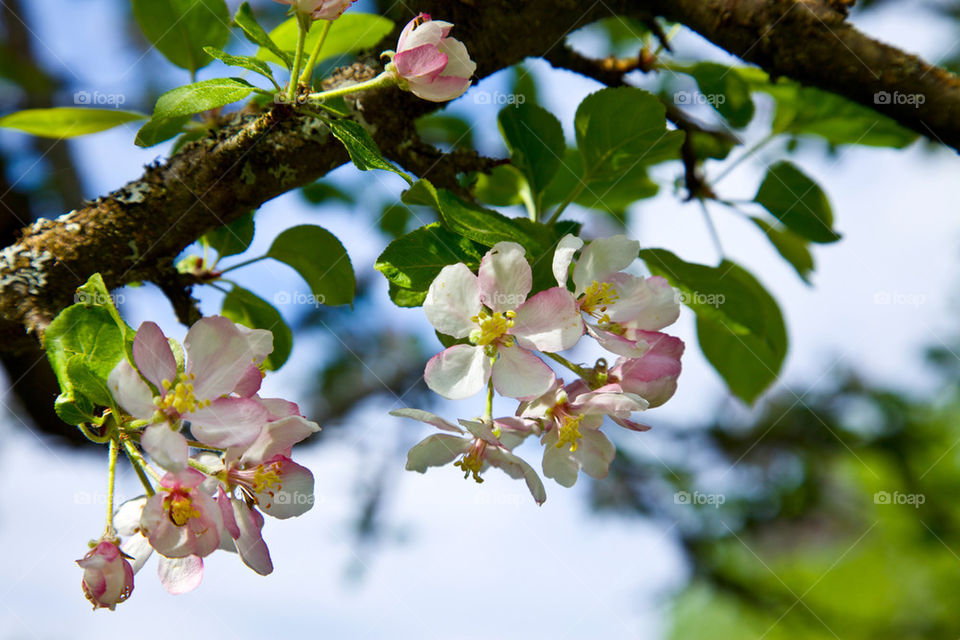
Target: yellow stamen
pixel 569 432
pixel 596 299
pixel 181 509
pixel 472 461
pixel 491 328
pixel 264 479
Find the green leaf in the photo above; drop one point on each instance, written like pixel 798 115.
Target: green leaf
pixel 257 35
pixel 798 202
pixel 67 122
pixel 180 29
pixel 613 194
pixel 362 148
pixel 406 297
pixel 350 33
pixel 792 247
pixel 156 131
pixel 726 91
pixel 252 311
pixel 502 187
pixel 91 334
pixel 394 219
pixel 320 192
pixel 535 140
pixel 414 260
pixel 808 111
pixel 233 238
pixel 620 128
pixel 320 259
pixel 200 96
pixel 94 292
pixel 88 383
pixel 246 62
pixel 739 324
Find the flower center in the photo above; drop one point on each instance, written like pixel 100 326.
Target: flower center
pixel 596 298
pixel 179 397
pixel 180 508
pixel 569 432
pixel 266 478
pixel 491 328
pixel 472 461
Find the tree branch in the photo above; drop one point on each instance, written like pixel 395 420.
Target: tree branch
pixel 134 233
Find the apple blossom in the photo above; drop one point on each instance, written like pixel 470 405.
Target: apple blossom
pixel 319 9
pixel 571 417
pixel 429 63
pixel 181 520
pixel 492 311
pixel 107 575
pixel 222 358
pixel 617 302
pixel 485 443
pixel 653 376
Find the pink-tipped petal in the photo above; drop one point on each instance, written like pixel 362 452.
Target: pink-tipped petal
pixel 505 277
pixel 440 89
pixel 180 575
pixel 549 321
pixel 225 504
pixel 130 391
pixel 654 375
pixel 218 355
pixel 423 63
pixel 517 373
pixel 616 343
pixel 458 372
pixel 278 437
pixel 228 422
pixel 153 356
pixel 250 545
pixel 517 468
pixel 250 383
pixel 452 300
pixel 459 64
pixel 661 306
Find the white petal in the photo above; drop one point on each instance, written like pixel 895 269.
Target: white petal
pixel 126 519
pixel 505 277
pixel 453 299
pixel 563 256
pixel 516 468
pixel 218 355
pixel 482 430
pixel 459 63
pixel 137 547
pixel 436 451
pixel 130 391
pixel 168 448
pixel 549 321
pixel 458 372
pixel 602 258
pixel 180 575
pixel 517 373
pixel 427 417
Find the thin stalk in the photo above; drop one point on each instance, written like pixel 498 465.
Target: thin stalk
pixel 307 74
pixel 488 411
pixel 577 190
pixel 385 79
pixel 89 435
pixel 586 374
pixel 745 156
pixel 302 28
pixel 244 263
pixel 109 531
pixel 712 228
pixel 136 458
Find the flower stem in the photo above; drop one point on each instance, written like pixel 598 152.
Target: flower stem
pixel 109 531
pixel 139 464
pixel 488 412
pixel 744 156
pixel 303 26
pixel 577 190
pixel 89 435
pixel 307 74
pixel 385 79
pixel 244 263
pixel 577 369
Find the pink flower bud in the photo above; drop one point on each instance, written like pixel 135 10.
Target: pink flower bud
pixel 431 65
pixel 319 9
pixel 107 576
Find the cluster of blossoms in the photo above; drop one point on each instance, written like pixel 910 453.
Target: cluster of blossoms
pixel 212 490
pixel 498 331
